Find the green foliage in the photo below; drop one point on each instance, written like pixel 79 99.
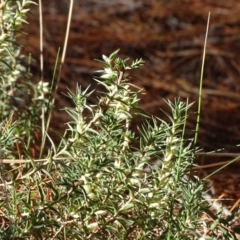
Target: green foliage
pixel 20 98
pixel 103 180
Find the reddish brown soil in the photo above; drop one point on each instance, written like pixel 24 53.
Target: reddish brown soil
pixel 169 36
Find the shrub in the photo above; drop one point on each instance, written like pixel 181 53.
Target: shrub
pixel 103 181
pixel 22 100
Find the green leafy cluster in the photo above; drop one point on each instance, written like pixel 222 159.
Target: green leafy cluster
pixel 118 193
pixel 20 98
pixel 104 180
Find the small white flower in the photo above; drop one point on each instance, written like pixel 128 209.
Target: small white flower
pixel 109 73
pixel 43 86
